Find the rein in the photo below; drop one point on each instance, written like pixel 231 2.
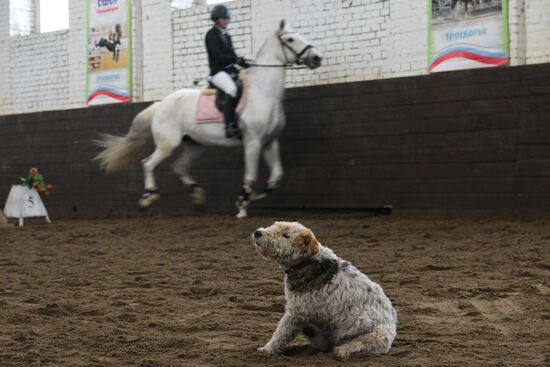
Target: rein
pixel 288 66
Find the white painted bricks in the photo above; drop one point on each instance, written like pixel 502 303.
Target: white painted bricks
pixel 360 40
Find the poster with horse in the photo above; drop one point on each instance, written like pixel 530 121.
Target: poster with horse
pixel 467 34
pixel 109 64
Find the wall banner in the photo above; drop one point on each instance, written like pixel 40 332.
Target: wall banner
pixel 109 49
pixel 467 34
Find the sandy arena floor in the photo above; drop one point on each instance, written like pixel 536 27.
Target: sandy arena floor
pixel 191 291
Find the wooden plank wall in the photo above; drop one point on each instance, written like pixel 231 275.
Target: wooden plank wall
pixel 477 139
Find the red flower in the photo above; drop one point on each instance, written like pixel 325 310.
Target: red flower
pixel 33 170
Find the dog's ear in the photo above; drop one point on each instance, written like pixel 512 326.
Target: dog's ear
pixel 308 243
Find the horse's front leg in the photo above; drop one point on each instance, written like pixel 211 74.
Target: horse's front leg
pixel 252 151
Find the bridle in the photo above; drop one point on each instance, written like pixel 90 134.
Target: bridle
pixel 285 46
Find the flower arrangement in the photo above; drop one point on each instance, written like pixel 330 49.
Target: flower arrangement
pixel 36 181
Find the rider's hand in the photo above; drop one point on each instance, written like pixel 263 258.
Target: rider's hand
pixel 241 61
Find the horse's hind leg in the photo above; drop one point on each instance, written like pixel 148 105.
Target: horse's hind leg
pixel 181 167
pixel 252 151
pixel 272 157
pixel 151 193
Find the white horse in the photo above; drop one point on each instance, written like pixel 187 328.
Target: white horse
pixel 174 118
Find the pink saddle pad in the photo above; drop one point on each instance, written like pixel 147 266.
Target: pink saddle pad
pixel 207 111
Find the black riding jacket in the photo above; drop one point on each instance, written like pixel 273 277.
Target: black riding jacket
pixel 220 51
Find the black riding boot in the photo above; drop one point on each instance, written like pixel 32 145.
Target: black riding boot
pixel 231 124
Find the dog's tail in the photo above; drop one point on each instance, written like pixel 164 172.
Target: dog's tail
pixel 119 150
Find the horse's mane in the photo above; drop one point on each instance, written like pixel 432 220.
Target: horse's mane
pixel 264 44
pixel 287 29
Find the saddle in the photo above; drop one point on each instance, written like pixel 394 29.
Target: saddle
pixel 211 100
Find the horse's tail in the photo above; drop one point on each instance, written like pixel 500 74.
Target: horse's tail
pixel 119 151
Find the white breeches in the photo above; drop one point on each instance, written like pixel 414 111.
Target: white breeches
pixel 223 81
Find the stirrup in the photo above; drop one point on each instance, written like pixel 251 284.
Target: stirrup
pixel 232 131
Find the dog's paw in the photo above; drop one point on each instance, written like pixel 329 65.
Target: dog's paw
pixel 342 354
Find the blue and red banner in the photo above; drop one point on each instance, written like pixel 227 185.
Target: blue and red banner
pixel 109 64
pixel 467 34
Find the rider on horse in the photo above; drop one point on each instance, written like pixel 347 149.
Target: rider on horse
pixel 222 59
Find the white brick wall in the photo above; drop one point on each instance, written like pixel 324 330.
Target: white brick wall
pixel 158 72
pixel 360 40
pixel 39 71
pixel 77 52
pixel 137 44
pixel 266 15
pixel 352 35
pixel 22 17
pixel 517 32
pixel 537 25
pixel 407 41
pixel 5 83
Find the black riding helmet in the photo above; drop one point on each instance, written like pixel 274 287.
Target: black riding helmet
pixel 219 11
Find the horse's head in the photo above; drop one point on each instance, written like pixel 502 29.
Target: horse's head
pixel 296 48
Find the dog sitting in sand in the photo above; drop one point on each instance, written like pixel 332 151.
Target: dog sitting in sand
pixel 336 306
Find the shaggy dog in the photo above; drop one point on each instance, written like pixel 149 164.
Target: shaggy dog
pixel 336 306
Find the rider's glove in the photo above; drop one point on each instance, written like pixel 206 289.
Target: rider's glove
pixel 241 61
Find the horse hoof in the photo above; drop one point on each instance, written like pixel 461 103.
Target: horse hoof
pixel 197 196
pixel 256 197
pixel 242 213
pixel 147 200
